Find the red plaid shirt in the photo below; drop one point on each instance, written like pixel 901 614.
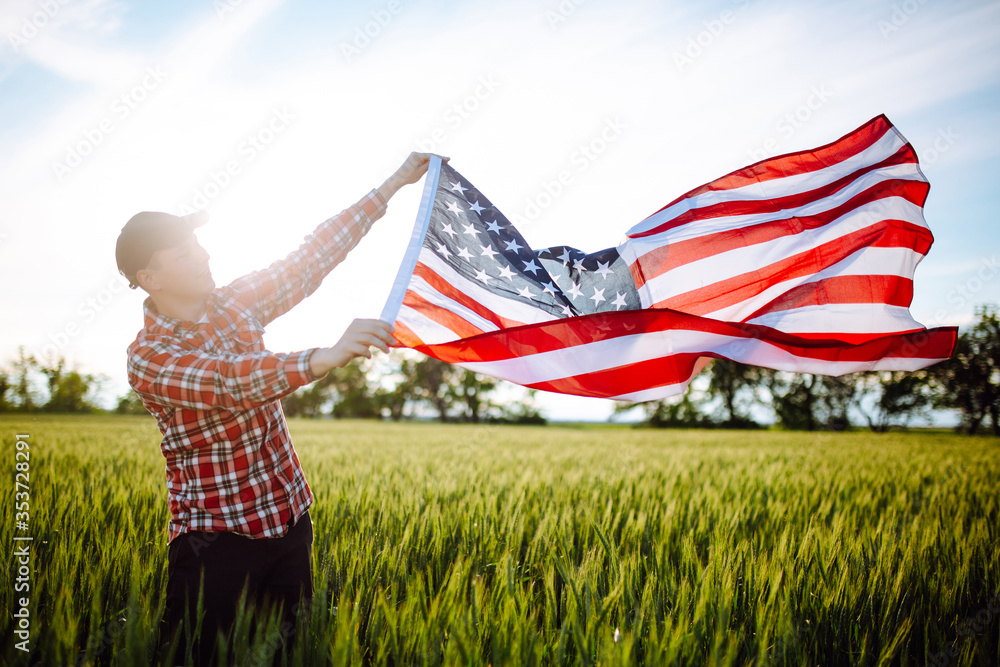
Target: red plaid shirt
pixel 215 390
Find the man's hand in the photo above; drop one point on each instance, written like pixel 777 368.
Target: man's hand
pixel 360 336
pixel 412 169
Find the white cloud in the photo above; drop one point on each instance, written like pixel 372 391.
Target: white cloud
pixel 63 36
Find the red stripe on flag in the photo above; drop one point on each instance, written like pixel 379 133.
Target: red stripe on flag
pixel 661 372
pixel 850 338
pixel 446 318
pixel 672 255
pixel 796 163
pixel 905 155
pixel 890 290
pixel 724 293
pixel 571 332
pixel 449 290
pixel 405 335
pixel 676 368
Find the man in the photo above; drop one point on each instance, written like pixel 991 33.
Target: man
pixel 237 495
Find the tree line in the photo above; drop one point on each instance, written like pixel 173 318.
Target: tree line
pixel 399 386
pixel 395 387
pixel 66 390
pixel 729 395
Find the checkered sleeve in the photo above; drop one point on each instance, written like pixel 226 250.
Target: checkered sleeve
pixel 166 375
pixel 275 290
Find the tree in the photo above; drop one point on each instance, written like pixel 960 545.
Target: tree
pixel 68 390
pixel 130 404
pixel 682 411
pixel 898 397
pixel 388 386
pixel 428 381
pixel 346 390
pixel 5 385
pixel 392 402
pixel 793 398
pixel 523 411
pixel 807 402
pixel 305 402
pixel 470 391
pixel 24 395
pixel 353 398
pixel 454 393
pixel 836 398
pixel 394 387
pixel 735 385
pixel 970 380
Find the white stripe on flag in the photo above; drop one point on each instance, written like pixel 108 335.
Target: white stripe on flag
pixel 747 259
pixel 865 262
pixel 730 223
pixel 424 327
pixel 849 318
pixel 780 187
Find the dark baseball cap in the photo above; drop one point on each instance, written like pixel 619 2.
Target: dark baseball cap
pixel 150 231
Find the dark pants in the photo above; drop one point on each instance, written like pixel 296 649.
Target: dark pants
pixel 272 570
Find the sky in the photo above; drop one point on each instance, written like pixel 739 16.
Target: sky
pixel 274 115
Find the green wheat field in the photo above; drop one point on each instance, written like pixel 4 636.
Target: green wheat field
pixel 503 545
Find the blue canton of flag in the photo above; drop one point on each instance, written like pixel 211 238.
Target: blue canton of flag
pixel 469 239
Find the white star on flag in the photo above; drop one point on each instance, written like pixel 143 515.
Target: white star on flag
pixel 531 266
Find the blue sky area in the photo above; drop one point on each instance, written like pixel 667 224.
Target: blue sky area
pixel 110 107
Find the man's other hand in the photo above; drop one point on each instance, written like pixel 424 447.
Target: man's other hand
pixel 357 341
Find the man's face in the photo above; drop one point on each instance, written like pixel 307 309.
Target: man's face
pixel 180 272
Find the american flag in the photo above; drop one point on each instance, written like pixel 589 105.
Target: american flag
pixel 802 262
